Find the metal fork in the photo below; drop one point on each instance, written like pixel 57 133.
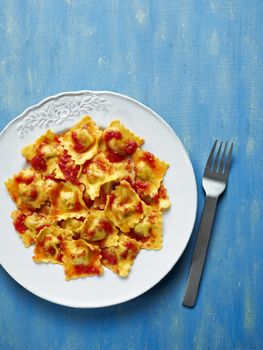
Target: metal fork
pixel 214 183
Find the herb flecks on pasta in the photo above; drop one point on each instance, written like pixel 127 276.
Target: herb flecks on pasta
pixel 89 199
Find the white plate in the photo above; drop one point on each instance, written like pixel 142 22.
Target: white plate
pixel 58 113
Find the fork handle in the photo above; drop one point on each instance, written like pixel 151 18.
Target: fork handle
pixel 199 256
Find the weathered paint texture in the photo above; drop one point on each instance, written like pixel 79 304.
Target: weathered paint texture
pixel 199 64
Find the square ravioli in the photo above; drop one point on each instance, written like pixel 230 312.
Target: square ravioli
pixel 28 225
pixel 81 260
pixel 98 230
pixel 100 201
pixel 49 245
pixel 160 201
pixel 124 207
pixel 27 189
pixel 149 230
pixel 118 142
pixel 119 259
pixel 66 201
pixel 98 172
pixel 42 154
pixel 72 224
pixel 82 140
pixel 150 171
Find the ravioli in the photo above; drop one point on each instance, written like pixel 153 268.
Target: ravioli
pixel 73 225
pixel 118 142
pixel 82 140
pixel 98 172
pixel 80 260
pixel 98 230
pixel 160 201
pixel 27 189
pixel 124 207
pixel 149 230
pixel 100 201
pixel 119 259
pixel 49 245
pixel 90 198
pixel 150 171
pixel 42 154
pixel 66 201
pixel 29 225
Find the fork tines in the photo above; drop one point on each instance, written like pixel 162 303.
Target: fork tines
pixel 219 163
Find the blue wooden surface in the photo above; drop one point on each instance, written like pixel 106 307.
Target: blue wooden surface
pixel 199 64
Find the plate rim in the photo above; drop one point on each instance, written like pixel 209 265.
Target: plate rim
pixel 186 156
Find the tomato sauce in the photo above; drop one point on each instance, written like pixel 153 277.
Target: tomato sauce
pixel 162 193
pixel 27 181
pixel 137 236
pixel 68 168
pixel 59 257
pixel 51 250
pixel 33 195
pixel 139 208
pixel 111 134
pixel 140 186
pixel 101 165
pixel 86 269
pixel 110 257
pixel 106 226
pixel 20 223
pixel 130 147
pixel 111 199
pixel 115 157
pixel 85 166
pixel 55 193
pixel 77 206
pixel 39 228
pixel 129 247
pixel 149 159
pixel 78 145
pixel 50 177
pixel 38 162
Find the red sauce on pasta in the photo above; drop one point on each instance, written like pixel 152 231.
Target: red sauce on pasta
pixel 20 223
pixel 51 250
pixel 111 134
pixel 137 236
pixel 68 168
pixel 78 145
pixel 139 208
pixel 129 247
pixel 39 228
pixel 85 166
pixel 115 157
pixel 149 158
pixel 111 199
pixel 101 165
pixel 33 195
pixel 130 147
pixel 27 181
pixel 140 186
pixel 86 269
pixel 110 257
pixel 106 226
pixel 39 162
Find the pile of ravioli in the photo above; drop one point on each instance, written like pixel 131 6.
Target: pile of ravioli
pixel 90 198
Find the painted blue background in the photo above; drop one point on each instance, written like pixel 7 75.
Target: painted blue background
pixel 199 64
